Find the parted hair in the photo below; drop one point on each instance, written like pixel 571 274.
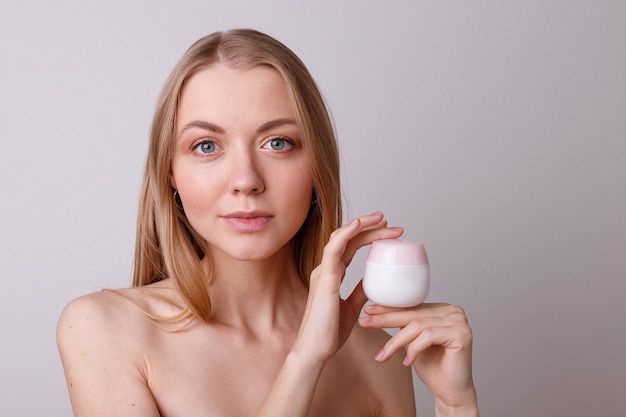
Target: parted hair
pixel 166 244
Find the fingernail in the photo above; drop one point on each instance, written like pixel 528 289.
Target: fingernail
pixel 365 320
pixel 380 356
pixel 406 361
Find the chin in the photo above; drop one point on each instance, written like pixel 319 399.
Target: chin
pixel 252 250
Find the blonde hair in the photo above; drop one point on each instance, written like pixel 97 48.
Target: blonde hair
pixel 167 246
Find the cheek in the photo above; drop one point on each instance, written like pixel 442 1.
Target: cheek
pixel 300 191
pixel 190 196
pixel 192 189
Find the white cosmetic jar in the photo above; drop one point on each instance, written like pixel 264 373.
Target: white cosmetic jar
pixel 397 273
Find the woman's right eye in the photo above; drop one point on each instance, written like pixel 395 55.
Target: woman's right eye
pixel 205 147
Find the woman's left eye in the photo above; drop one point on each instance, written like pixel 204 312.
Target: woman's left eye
pixel 205 147
pixel 278 144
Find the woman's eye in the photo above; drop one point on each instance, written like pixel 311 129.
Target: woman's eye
pixel 205 148
pixel 278 144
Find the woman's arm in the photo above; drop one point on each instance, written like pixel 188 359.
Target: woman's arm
pixel 327 321
pixel 101 349
pixel 100 360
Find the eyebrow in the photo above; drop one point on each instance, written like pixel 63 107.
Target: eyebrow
pixel 275 123
pixel 202 124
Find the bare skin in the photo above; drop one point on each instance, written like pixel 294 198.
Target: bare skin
pixel 271 347
pixel 119 363
pixel 217 369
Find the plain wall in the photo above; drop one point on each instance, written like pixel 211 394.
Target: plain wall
pixel 493 131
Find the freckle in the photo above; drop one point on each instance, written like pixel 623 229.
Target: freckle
pixel 133 405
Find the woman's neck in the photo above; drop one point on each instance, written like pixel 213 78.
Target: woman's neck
pixel 259 296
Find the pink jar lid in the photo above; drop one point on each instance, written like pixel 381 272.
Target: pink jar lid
pixel 397 252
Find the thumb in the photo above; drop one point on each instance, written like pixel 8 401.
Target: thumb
pixel 357 299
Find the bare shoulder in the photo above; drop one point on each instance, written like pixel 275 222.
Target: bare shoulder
pixel 391 382
pixel 122 312
pixel 91 315
pixel 98 313
pixel 97 305
pixel 102 339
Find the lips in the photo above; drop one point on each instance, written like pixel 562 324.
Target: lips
pixel 248 221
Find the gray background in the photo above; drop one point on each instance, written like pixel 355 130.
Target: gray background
pixel 493 131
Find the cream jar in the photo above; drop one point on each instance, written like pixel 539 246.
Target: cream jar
pixel 397 273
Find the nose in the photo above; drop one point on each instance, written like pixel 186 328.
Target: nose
pixel 245 176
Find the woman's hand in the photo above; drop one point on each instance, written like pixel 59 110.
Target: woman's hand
pixel 438 342
pixel 328 319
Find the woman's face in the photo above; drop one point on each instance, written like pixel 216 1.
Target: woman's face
pixel 238 162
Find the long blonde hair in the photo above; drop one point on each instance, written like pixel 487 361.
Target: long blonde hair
pixel 167 246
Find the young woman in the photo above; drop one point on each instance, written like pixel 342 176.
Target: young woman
pixel 235 308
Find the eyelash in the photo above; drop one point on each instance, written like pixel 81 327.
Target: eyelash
pixel 288 143
pixel 267 145
pixel 196 146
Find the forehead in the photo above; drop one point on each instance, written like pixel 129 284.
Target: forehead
pixel 224 93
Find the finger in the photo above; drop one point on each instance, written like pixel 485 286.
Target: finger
pixel 382 223
pixel 427 309
pixel 344 242
pixel 453 338
pixel 333 264
pixel 366 237
pixel 416 340
pixel 336 245
pixel 357 299
pixel 409 334
pixel 389 317
pixel 356 226
pixel 406 335
pixel 427 339
pixel 339 239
